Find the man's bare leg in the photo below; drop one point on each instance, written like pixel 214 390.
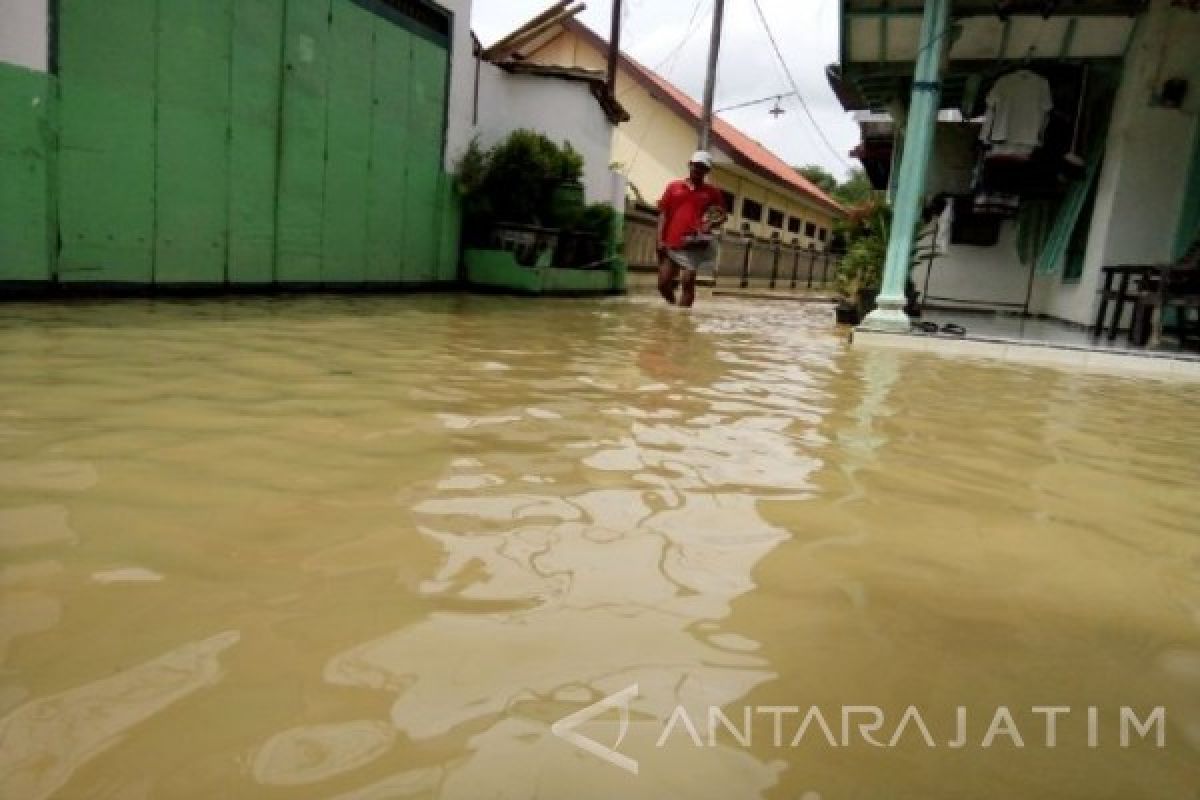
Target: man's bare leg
pixel 666 278
pixel 689 288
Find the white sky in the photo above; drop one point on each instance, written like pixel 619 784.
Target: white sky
pixel 807 33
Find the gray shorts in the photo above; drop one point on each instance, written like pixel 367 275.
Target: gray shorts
pixel 701 259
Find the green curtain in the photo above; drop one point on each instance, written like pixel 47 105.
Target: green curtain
pixel 1034 224
pixel 1059 238
pixel 1189 217
pixel 1055 247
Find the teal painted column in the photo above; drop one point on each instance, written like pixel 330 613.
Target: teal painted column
pixel 918 146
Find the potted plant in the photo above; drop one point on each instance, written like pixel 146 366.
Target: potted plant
pixel 861 268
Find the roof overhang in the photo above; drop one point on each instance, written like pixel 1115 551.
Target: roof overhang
pixel 880 40
pixel 510 53
pixel 595 79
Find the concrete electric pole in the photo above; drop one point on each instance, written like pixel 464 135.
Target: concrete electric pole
pixel 710 81
pixel 614 48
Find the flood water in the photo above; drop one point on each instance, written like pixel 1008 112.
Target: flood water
pixel 374 548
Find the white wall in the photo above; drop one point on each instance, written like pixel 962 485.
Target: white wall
pixel 24 35
pixel 1141 186
pixel 462 82
pixel 565 111
pixel 981 274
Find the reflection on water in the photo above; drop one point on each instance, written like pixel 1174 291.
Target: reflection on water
pixel 45 740
pixel 438 525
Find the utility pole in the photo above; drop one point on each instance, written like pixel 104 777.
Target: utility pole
pixel 614 48
pixel 710 81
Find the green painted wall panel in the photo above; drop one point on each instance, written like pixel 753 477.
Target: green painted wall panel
pixel 257 60
pixel 192 153
pixel 243 140
pixel 302 158
pixel 26 145
pixel 427 114
pixel 388 228
pixel 107 57
pixel 450 228
pixel 351 52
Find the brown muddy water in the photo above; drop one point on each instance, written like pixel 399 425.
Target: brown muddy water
pixel 376 548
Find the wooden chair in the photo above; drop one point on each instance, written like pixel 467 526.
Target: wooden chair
pixel 1176 286
pixel 1138 283
pixel 1131 280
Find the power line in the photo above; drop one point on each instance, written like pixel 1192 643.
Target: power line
pixel 673 55
pixel 748 103
pixel 795 87
pixel 675 52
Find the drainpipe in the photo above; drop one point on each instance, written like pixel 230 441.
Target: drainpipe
pixel 914 162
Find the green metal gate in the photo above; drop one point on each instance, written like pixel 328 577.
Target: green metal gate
pixel 206 142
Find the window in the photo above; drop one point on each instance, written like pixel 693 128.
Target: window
pixel 794 224
pixel 730 200
pixel 810 229
pixel 822 234
pixel 775 218
pixel 751 210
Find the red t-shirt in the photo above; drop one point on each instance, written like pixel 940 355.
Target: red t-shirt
pixel 683 206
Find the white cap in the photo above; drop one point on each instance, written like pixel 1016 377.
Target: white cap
pixel 701 157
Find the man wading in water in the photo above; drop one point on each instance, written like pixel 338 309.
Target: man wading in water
pixel 689 213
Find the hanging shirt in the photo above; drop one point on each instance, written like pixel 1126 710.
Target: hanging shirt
pixel 1017 107
pixel 684 206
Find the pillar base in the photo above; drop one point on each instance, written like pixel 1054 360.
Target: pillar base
pixel 888 320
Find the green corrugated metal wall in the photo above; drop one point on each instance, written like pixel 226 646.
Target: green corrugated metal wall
pixel 26 151
pixel 108 73
pixel 257 54
pixel 232 141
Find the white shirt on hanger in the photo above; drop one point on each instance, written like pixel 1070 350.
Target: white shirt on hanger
pixel 1017 107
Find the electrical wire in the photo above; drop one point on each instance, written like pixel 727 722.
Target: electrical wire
pixel 796 88
pixel 675 52
pixel 748 103
pixel 672 56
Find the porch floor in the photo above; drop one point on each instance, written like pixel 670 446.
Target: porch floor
pixel 1040 342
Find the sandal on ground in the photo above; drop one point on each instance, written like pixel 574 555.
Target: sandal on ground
pixel 950 329
pixel 925 327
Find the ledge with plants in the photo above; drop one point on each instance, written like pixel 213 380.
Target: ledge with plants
pixel 526 227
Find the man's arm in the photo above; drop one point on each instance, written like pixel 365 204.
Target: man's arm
pixel 664 211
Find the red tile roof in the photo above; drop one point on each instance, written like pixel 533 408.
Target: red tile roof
pixel 745 151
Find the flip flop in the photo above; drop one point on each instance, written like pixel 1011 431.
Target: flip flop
pixel 925 327
pixel 950 329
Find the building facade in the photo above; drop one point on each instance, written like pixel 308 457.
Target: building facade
pixel 766 197
pixel 1125 87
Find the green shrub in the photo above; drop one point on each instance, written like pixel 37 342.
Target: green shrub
pixel 866 235
pixel 516 182
pixel 597 220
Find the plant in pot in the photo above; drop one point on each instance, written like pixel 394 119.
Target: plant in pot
pixel 861 269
